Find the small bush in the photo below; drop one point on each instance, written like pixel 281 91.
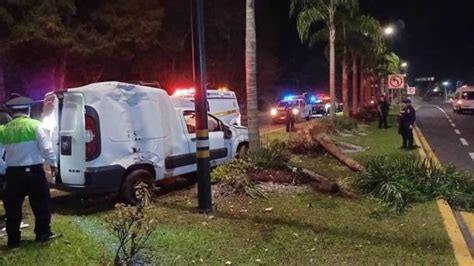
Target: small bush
pixel 399 181
pixel 132 226
pixel 303 143
pixel 322 126
pixel 367 114
pixel 273 155
pixel 346 123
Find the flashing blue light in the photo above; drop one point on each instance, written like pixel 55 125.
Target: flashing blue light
pixel 289 98
pixel 312 99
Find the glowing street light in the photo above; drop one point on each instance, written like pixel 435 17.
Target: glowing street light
pixel 446 84
pixel 389 30
pixel 404 64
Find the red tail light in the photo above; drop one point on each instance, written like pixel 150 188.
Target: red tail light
pixel 92 129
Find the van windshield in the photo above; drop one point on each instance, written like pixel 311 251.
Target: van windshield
pixel 468 95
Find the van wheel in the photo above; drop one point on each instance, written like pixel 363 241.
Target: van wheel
pixel 128 190
pixel 242 151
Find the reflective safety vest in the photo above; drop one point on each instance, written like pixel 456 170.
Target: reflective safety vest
pixel 25 143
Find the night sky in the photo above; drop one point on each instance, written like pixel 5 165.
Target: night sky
pixel 435 37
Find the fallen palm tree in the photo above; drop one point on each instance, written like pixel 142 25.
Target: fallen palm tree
pixel 326 142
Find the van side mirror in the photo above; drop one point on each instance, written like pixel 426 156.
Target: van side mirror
pixel 227 132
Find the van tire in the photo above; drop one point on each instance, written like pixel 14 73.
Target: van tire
pixel 127 191
pixel 242 151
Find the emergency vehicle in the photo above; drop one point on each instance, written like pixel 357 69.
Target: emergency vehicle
pixel 110 136
pixel 221 103
pixel 463 99
pixel 321 105
pixel 298 104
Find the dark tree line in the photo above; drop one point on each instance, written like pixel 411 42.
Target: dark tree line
pixel 53 44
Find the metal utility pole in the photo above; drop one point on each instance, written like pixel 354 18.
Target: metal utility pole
pixel 202 132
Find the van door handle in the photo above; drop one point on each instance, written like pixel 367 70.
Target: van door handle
pixel 193 139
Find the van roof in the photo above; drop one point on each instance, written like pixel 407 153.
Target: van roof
pixel 466 88
pixel 122 89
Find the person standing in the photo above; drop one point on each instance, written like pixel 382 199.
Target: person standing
pixel 289 119
pixel 27 146
pixel 383 109
pixel 407 124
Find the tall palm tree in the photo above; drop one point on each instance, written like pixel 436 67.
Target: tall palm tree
pixel 311 12
pixel 251 76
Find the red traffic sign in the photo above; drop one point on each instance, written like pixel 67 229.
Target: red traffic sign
pixel 411 91
pixel 396 81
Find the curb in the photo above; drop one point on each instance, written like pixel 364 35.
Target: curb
pixel 458 242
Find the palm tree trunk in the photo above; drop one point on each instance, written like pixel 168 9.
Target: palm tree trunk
pixel 2 84
pixel 355 90
pixel 345 89
pixel 332 66
pixel 251 76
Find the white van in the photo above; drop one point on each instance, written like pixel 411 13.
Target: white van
pixel 113 135
pixel 221 103
pixel 463 100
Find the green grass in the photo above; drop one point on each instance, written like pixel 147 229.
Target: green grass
pixel 76 247
pixel 301 229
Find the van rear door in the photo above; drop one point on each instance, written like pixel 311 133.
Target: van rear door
pixel 72 137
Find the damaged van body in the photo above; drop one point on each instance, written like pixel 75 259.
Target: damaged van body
pixel 111 136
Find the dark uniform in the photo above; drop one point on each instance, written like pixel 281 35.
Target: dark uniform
pixel 27 146
pixel 383 109
pixel 406 124
pixel 289 119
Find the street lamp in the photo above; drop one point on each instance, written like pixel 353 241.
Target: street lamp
pixel 389 30
pixel 404 64
pixel 446 84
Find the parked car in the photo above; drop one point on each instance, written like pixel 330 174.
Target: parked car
pixel 110 136
pixel 463 100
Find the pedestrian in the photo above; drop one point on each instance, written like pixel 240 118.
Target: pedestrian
pixel 406 124
pixel 383 109
pixel 289 119
pixel 27 146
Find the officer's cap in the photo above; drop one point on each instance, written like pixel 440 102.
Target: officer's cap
pixel 407 101
pixel 19 103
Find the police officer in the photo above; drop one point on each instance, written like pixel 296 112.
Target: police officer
pixel 27 146
pixel 406 124
pixel 289 119
pixel 383 108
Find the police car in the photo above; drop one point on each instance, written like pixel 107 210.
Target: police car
pixel 299 105
pixel 321 105
pixel 109 136
pixel 222 103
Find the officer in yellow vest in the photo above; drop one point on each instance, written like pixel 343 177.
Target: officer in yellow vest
pixel 27 147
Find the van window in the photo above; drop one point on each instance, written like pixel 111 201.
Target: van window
pixel 190 120
pixel 468 95
pixel 69 116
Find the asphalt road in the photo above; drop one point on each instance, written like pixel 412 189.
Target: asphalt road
pixel 450 135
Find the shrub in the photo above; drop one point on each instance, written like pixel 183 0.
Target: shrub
pixel 399 181
pixel 345 123
pixel 273 155
pixel 367 114
pixel 322 126
pixel 303 143
pixel 132 226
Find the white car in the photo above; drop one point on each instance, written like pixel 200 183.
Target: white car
pixel 463 100
pixel 221 103
pixel 112 135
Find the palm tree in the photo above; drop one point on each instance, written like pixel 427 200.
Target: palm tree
pixel 251 76
pixel 311 12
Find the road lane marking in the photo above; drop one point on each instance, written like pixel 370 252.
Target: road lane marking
pixel 464 142
pixel 457 131
pixel 472 157
pixel 453 125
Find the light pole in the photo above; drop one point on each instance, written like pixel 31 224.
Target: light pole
pixel 404 65
pixel 446 84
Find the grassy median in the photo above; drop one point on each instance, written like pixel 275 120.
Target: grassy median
pixel 296 228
